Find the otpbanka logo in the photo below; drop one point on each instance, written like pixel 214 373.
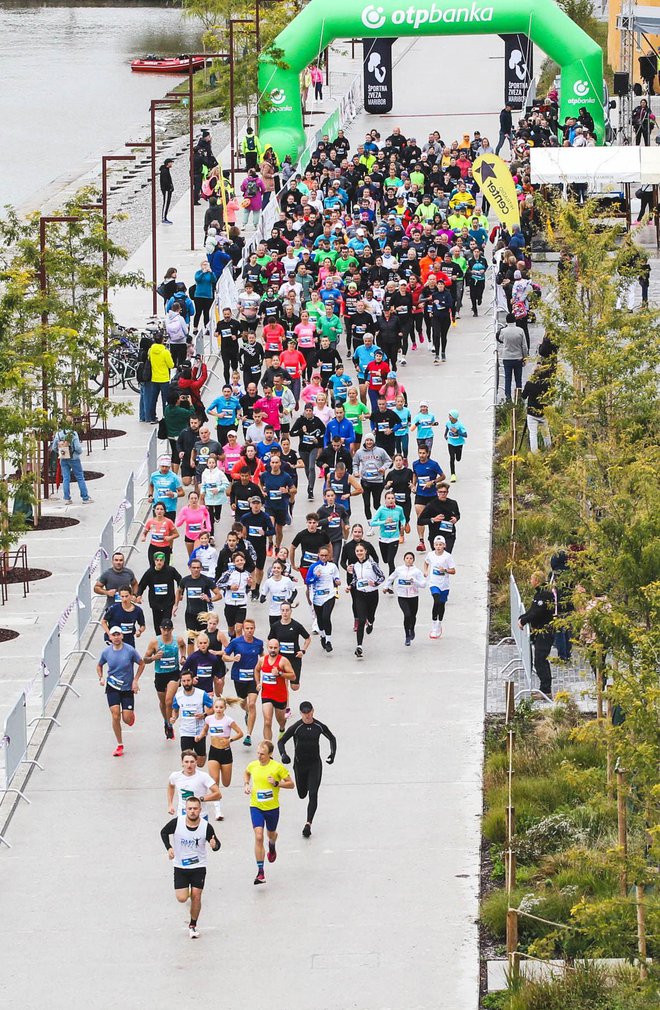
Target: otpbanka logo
pixel 277 96
pixel 581 88
pixel 375 17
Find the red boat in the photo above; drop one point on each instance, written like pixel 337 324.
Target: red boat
pixel 166 64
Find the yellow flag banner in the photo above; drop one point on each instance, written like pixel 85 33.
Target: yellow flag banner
pixel 496 183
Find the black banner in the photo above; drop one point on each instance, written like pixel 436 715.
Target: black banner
pixel 518 69
pixel 377 62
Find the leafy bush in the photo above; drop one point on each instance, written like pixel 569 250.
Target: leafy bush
pixel 549 835
pixel 587 988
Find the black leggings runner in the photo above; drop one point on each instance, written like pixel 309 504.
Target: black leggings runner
pixel 365 605
pixel 388 551
pixel 409 606
pixel 308 782
pixel 455 453
pixel 371 494
pixel 438 608
pixel 324 617
pixel 441 326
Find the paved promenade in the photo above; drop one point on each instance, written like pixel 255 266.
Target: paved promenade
pixel 377 911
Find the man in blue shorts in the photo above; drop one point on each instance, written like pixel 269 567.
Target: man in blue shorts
pixel 244 653
pixel 121 683
pixel 263 780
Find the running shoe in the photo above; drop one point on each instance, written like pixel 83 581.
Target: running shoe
pixel 452 479
pixel 247 741
pixel 420 546
pixel 403 361
pixel 165 725
pixel 67 501
pixel 433 633
pixel 260 877
pixel 193 932
pixel 414 347
pixel 88 501
pixel 370 627
pixel 412 636
pixel 407 642
pixel 358 652
pixel 307 830
pixel 310 496
pixel 421 338
pixel 328 646
pixel 118 751
pixel 255 595
pixel 444 357
pixel 436 360
pixel 271 855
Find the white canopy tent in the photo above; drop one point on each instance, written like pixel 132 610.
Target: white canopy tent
pixel 646 19
pixel 602 168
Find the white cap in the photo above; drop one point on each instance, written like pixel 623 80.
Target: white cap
pixel 116 630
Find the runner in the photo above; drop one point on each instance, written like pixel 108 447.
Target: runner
pixel 191 704
pixel 165 487
pixel 311 431
pixel 271 674
pixel 190 781
pixel 205 552
pixel 364 578
pixel 219 727
pixel 112 579
pixel 426 472
pixel 185 839
pixel 263 780
pixel 334 519
pixel 277 589
pixel 349 557
pixel 245 651
pixel 195 519
pixel 441 515
pixel 199 592
pixel 205 667
pixel 310 542
pixel 161 580
pixel 390 521
pixel 218 642
pixel 236 587
pixel 407 581
pixel 438 566
pixel 370 465
pixel 323 580
pixel 121 684
pixel 260 530
pixel 167 653
pixel 306 734
pixel 277 485
pixel 400 480
pixel 456 436
pixel 162 533
pixel 125 615
pixel 289 634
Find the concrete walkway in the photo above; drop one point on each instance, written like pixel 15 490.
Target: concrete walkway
pixel 377 910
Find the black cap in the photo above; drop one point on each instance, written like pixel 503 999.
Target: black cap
pixel 166 623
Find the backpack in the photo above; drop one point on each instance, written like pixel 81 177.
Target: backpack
pixel 251 189
pixel 519 309
pixel 250 143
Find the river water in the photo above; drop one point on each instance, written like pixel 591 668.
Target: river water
pixel 67 92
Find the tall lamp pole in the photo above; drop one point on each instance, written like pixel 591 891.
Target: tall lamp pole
pixel 232 131
pixel 191 124
pixel 43 286
pixel 155 105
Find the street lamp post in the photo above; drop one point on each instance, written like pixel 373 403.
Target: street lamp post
pixel 157 103
pixel 232 131
pixel 191 125
pixel 43 286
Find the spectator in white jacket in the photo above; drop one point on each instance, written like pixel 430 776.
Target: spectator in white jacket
pixel 177 332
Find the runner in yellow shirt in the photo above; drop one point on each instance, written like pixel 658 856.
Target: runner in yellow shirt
pixel 263 780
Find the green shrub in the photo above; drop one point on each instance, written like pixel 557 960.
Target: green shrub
pixel 587 988
pixel 494 908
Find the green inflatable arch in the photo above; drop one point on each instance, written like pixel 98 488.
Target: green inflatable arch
pixel 323 21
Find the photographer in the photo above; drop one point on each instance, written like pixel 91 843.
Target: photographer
pixel 191 380
pixel 177 414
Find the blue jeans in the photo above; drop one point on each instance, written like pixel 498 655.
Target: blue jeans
pixel 144 401
pixel 69 468
pixel 512 367
pixel 153 389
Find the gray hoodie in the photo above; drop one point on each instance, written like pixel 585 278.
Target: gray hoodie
pixel 371 465
pixel 515 345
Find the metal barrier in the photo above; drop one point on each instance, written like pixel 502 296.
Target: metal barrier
pixel 51 668
pixel 107 539
pixel 15 743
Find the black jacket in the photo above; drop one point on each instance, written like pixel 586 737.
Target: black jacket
pixel 541 612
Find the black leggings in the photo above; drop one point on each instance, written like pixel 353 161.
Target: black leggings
pixel 229 355
pixel 318 90
pixel 179 353
pixel 371 494
pixel 215 514
pixel 438 608
pixel 455 453
pixel 409 606
pixel 202 307
pixel 324 617
pixel 365 606
pixel 308 782
pixel 167 200
pixel 418 321
pixel 388 551
pixel 476 293
pixel 441 326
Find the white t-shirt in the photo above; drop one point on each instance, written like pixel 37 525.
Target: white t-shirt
pixel 438 566
pixel 191 710
pixel 187 786
pixel 277 593
pixel 219 727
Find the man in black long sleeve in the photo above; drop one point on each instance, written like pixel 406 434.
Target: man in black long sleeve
pixel 506 126
pixel 441 516
pixel 540 617
pixel 185 839
pixel 307 767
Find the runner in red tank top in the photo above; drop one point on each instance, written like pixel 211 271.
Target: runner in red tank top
pixel 272 673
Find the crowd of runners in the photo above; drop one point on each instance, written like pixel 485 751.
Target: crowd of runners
pixel 372 262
